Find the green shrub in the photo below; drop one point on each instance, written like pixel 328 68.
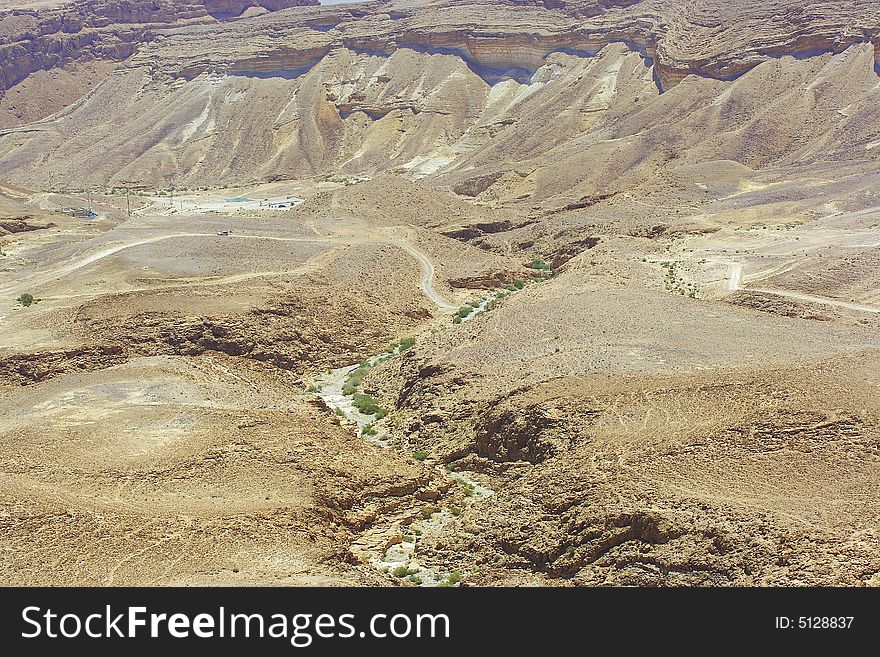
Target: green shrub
pixel 26 299
pixel 369 430
pixel 420 455
pixel 415 579
pixel 475 304
pixel 369 406
pixel 456 319
pixel 537 263
pixel 464 311
pixel 356 377
pixel 339 412
pixel 404 571
pixel 452 579
pixel 429 510
pixel 519 284
pixel 407 344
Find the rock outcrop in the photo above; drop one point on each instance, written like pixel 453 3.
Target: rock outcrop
pixel 76 32
pixel 711 38
pixel 465 91
pixel 716 39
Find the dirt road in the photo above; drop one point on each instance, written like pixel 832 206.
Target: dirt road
pixel 736 282
pixel 427 267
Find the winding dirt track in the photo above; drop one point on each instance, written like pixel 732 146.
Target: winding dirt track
pixel 813 299
pixel 735 283
pixel 313 264
pixel 426 285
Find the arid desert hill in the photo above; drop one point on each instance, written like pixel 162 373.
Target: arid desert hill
pixel 557 105
pixel 440 292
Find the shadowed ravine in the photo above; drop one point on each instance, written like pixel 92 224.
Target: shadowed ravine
pixel 371 547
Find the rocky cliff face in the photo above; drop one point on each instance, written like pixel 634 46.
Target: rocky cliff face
pixel 34 40
pixel 713 38
pixel 450 88
pixel 719 38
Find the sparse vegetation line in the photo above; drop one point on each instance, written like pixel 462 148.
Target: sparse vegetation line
pixel 342 391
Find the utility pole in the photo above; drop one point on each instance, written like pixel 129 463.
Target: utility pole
pixel 170 180
pixel 128 185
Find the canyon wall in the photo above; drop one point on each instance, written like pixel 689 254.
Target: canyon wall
pixel 712 38
pixel 454 88
pixel 709 38
pixel 73 35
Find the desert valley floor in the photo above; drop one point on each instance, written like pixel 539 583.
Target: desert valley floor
pixel 383 294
